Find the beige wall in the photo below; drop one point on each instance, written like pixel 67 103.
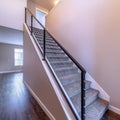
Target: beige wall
pixel 36 77
pixel 90 31
pixel 12 13
pixel 32 7
pixel 7 57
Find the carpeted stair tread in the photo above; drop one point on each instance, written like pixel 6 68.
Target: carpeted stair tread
pixel 55 54
pixel 58 56
pixel 90 96
pixel 57 59
pixel 68 79
pixel 52 47
pixel 54 51
pixel 48 43
pixel 65 71
pixel 73 88
pixel 66 68
pixel 96 110
pixel 59 64
pixel 87 84
pixel 65 80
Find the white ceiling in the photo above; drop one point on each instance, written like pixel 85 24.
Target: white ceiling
pixel 48 4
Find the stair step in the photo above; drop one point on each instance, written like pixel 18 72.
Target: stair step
pixel 38 34
pixel 60 55
pixel 66 71
pixel 39 38
pixel 70 78
pixel 52 47
pixel 36 30
pixel 50 54
pixel 59 64
pixel 58 58
pixel 46 40
pixel 48 43
pixel 96 110
pixel 49 38
pixel 87 84
pixel 54 51
pixel 73 88
pixel 90 96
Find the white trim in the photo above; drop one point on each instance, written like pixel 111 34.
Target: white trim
pixel 103 94
pixel 114 109
pixel 1 72
pixel 57 90
pixel 40 103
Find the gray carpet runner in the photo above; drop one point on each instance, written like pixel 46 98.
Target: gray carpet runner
pixel 70 78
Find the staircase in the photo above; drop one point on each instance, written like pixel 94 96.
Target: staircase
pixel 70 79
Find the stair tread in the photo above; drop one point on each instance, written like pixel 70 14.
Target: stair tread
pixel 90 96
pixel 66 68
pixel 96 110
pixel 40 39
pixel 54 51
pixel 73 88
pixel 58 56
pixel 61 62
pixel 70 76
pixel 52 47
pixel 90 92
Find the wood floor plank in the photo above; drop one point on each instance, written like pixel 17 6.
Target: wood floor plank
pixel 16 102
pixel 109 115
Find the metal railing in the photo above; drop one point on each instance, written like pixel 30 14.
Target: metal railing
pixel 32 22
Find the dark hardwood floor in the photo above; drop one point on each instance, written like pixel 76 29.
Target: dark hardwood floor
pixel 16 103
pixel 111 116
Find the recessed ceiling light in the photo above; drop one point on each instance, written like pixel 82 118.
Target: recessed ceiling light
pixel 56 2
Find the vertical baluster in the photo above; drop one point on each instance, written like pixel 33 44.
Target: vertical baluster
pixel 25 15
pixel 44 44
pixel 83 95
pixel 31 24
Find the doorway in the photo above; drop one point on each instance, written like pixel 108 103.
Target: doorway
pixel 40 15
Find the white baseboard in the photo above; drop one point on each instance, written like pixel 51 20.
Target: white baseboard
pixel 96 86
pixel 40 103
pixel 114 109
pixel 14 71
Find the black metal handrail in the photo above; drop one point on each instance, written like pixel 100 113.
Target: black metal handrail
pixel 83 71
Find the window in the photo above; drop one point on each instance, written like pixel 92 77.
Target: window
pixel 18 56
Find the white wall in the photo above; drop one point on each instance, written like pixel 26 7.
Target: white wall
pixel 7 62
pixel 37 79
pixel 12 13
pixel 90 31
